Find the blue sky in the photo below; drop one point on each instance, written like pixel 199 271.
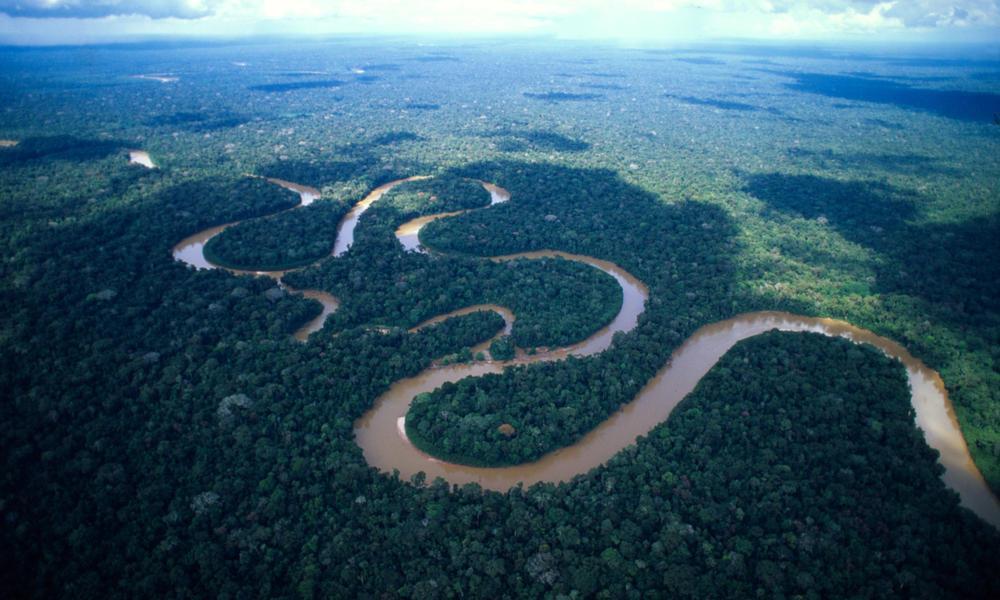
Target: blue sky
pixel 639 21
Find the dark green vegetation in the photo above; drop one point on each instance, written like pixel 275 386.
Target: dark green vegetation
pixel 513 140
pixel 956 104
pixel 161 435
pixel 722 104
pixel 561 96
pixel 198 122
pixel 297 86
pixel 679 251
pixel 557 301
pixel 58 147
pixel 502 348
pixel 429 196
pixel 700 60
pixel 284 241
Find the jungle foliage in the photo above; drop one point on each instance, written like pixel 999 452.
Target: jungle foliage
pixel 162 435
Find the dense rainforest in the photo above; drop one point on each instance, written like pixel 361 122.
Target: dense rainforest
pixel 162 434
pixel 259 244
pixel 556 301
pixel 297 238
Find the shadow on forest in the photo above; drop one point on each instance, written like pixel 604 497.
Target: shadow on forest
pixel 198 122
pixel 953 263
pixel 562 96
pixel 599 214
pixel 394 137
pixel 733 106
pixel 914 78
pixel 298 74
pixel 943 62
pixel 521 140
pixel 59 147
pixel 296 85
pixel 437 58
pixel 595 213
pixel 909 164
pixel 985 76
pixel 603 86
pixel 358 161
pixel 682 251
pixel 700 60
pixel 721 104
pixel 954 104
pixel 885 124
pixel 318 172
pixel 383 67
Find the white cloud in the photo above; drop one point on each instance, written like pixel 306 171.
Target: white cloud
pixel 157 9
pixel 662 20
pixel 832 19
pixel 930 13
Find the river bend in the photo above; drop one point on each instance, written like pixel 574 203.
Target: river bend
pixel 381 432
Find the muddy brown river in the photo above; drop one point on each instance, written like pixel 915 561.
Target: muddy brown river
pixel 382 436
pixel 191 251
pixel 381 433
pixel 409 232
pixel 345 231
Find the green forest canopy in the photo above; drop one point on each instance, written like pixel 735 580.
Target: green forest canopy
pixel 163 435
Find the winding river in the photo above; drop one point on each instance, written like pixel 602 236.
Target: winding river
pixel 191 250
pixel 381 433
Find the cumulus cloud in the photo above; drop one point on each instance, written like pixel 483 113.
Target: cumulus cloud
pixel 907 13
pixel 931 13
pixel 157 9
pixel 915 13
pixel 696 17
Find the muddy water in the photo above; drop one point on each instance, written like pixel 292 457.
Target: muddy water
pixel 191 251
pixel 345 231
pixel 634 296
pixel 409 232
pixel 307 194
pixel 381 431
pixel 141 157
pixel 330 305
pixel 381 435
pixel 508 322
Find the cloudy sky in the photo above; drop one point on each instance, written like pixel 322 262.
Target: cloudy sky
pixel 648 21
